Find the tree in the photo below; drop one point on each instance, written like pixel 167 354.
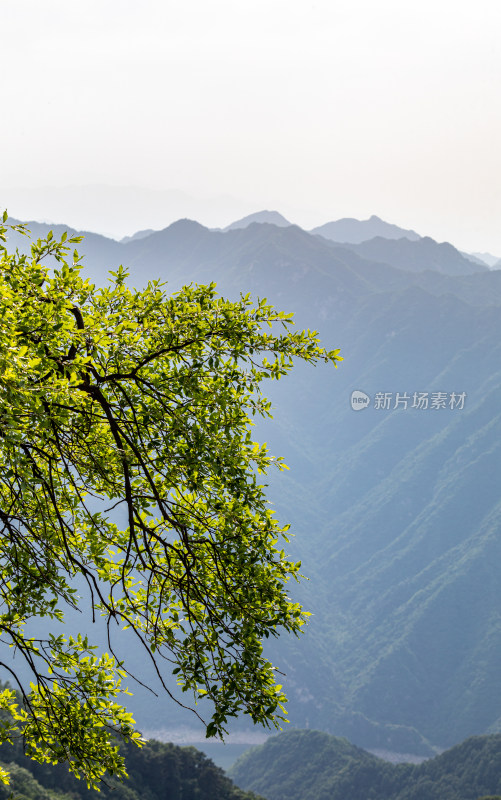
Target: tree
pixel 135 400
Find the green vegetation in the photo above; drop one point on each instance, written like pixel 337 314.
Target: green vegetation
pixel 136 405
pixel 157 771
pixel 309 764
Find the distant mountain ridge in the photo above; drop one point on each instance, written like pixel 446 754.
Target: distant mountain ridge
pixel 414 254
pixel 354 231
pixel 487 258
pixel 192 243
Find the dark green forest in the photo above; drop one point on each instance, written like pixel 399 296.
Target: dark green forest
pixel 310 765
pixel 156 771
pixel 297 765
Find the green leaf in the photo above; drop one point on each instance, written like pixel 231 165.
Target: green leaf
pixel 137 400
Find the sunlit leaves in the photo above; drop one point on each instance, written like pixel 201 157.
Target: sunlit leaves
pixel 138 404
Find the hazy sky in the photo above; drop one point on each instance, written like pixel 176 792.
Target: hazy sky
pixel 318 109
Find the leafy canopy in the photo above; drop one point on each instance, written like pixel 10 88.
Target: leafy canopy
pixel 138 402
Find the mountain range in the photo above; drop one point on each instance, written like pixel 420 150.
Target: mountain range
pixel 395 507
pixel 355 231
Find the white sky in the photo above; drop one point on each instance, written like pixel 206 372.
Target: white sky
pixel 319 109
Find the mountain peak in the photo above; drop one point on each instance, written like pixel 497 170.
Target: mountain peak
pixel 271 217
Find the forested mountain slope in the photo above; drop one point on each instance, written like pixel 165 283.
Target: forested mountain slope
pixel 157 771
pixel 309 764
